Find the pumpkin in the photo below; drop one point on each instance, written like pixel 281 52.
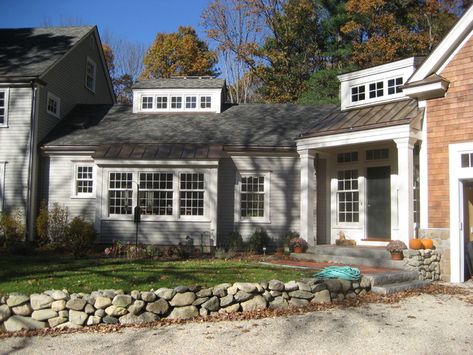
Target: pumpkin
pixel 415 244
pixel 427 243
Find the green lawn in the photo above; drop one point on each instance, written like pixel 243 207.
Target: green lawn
pixel 29 274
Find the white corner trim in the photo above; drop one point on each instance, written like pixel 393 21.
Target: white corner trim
pixel 2 184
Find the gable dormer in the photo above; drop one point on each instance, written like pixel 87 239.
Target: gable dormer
pixel 379 84
pixel 179 94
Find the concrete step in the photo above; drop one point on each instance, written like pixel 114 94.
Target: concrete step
pixel 389 289
pixel 356 251
pixel 387 278
pixel 373 261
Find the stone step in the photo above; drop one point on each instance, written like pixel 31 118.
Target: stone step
pixel 394 277
pixel 389 289
pixel 379 261
pixel 356 251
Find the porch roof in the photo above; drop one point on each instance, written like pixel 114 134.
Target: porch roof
pixel 360 119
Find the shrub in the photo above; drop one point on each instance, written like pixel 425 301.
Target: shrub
pixel 57 224
pixel 298 242
pixel 12 229
pixel 285 239
pixel 258 240
pixel 80 236
pixel 42 225
pixel 234 242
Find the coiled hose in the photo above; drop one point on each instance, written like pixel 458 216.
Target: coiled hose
pixel 339 272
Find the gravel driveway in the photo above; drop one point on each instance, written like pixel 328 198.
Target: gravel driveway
pixel 425 324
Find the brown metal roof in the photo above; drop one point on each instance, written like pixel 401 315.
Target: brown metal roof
pixel 378 116
pixel 158 151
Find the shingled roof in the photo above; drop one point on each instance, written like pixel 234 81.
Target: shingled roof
pixel 30 52
pixel 180 83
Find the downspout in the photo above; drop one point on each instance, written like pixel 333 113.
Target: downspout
pixel 32 147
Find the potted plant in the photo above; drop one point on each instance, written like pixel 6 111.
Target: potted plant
pixel 396 247
pixel 298 245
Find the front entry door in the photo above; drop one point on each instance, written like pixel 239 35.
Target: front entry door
pixel 379 203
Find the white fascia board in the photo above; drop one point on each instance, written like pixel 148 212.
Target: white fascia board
pixel 389 67
pixel 366 136
pixel 443 51
pixel 155 163
pixel 427 91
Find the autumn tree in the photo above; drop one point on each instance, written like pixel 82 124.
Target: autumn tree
pixel 177 54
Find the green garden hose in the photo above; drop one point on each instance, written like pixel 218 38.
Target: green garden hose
pixel 339 272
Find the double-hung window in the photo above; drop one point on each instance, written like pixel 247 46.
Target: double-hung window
pixel 253 192
pixel 191 194
pixel 3 107
pixel 156 193
pixel 120 193
pixel 348 196
pixel 90 74
pixel 84 180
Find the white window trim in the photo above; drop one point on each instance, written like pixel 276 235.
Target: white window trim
pixel 58 105
pixel 196 103
pixel 89 60
pixel 7 95
pixel 152 103
pixel 75 194
pixel 168 103
pixel 360 197
pixel 2 184
pixel 385 97
pixel 200 102
pixel 267 197
pixel 177 108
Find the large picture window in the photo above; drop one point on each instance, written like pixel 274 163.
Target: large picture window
pixel 120 193
pixel 348 196
pixel 192 190
pixel 156 194
pixel 252 196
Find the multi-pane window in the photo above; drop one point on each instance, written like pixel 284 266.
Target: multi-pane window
pixel 84 180
pixel 3 108
pixel 348 196
pixel 358 93
pixel 191 102
pixel 395 86
pixel 467 160
pixel 176 102
pixel 205 102
pixel 161 102
pixel 156 194
pixel 252 196
pixel 120 193
pixel 147 102
pixel 377 154
pixel 376 89
pixel 348 157
pixel 90 73
pixel 192 194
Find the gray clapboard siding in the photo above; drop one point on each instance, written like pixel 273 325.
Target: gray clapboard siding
pixel 14 148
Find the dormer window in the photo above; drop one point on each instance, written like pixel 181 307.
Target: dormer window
pixel 395 86
pixel 205 102
pixel 191 102
pixel 161 102
pixel 147 102
pixel 358 93
pixel 376 89
pixel 176 102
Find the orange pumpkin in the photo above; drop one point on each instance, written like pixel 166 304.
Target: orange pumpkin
pixel 415 244
pixel 427 243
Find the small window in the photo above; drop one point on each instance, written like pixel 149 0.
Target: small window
pixel 84 180
pixel 3 107
pixel 191 102
pixel 252 196
pixel 192 194
pixel 376 89
pixel 161 102
pixel 205 102
pixel 120 194
pixel 176 102
pixel 358 93
pixel 147 102
pixel 467 160
pixel 377 154
pixel 156 194
pixel 348 196
pixel 395 86
pixel 53 104
pixel 90 74
pixel 348 157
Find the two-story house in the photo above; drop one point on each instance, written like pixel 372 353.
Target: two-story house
pixel 44 73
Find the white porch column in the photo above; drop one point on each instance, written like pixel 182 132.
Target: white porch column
pixel 307 195
pixel 405 167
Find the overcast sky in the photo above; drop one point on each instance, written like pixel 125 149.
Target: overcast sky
pixel 135 20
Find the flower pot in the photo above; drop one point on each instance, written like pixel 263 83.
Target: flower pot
pixel 427 243
pixel 397 255
pixel 415 244
pixel 298 250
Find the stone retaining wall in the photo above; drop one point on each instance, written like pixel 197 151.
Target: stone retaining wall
pixel 60 309
pixel 426 262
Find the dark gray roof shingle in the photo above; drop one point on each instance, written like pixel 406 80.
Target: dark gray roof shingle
pixel 180 83
pixel 29 52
